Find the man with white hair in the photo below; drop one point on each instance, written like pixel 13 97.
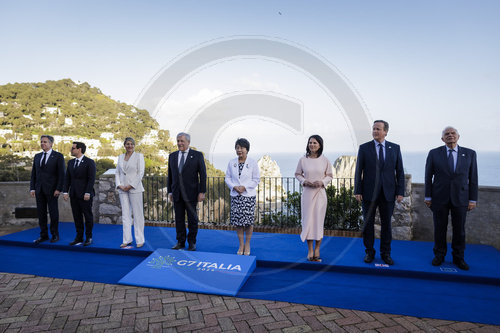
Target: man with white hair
pixel 186 184
pixel 450 187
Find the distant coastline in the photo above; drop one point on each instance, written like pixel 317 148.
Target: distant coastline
pixel 414 163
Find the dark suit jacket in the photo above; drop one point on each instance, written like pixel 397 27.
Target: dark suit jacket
pixel 193 178
pixel 367 173
pixel 443 186
pixel 50 177
pixel 80 180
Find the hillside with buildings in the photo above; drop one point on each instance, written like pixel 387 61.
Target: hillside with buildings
pixel 72 111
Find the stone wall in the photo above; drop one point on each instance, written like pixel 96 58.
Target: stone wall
pixel 402 220
pixel 482 225
pixel 16 194
pixel 110 211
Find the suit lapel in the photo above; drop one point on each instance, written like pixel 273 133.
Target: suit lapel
pixel 52 157
pixel 130 160
pixel 388 153
pixel 460 155
pixel 175 161
pixel 373 152
pixel 189 156
pixel 81 165
pixel 444 158
pixel 38 159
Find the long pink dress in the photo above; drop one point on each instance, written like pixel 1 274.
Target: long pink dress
pixel 313 199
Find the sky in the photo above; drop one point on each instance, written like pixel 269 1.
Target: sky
pixel 420 65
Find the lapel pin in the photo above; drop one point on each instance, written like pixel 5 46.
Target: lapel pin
pixel 234 165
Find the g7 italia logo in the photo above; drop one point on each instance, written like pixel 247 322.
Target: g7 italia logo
pixel 169 261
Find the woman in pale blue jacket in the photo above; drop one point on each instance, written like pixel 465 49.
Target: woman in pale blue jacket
pixel 242 178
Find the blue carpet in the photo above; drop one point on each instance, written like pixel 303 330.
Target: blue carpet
pixel 411 287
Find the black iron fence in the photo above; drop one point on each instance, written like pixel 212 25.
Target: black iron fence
pixel 278 203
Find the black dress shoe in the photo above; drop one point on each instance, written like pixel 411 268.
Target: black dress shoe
pixel 437 261
pixel 40 239
pixel 54 239
pixel 460 263
pixel 192 247
pixel 76 241
pixel 387 259
pixel 369 258
pixel 178 246
pixel 88 242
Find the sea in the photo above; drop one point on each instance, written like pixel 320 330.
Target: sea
pixel 413 162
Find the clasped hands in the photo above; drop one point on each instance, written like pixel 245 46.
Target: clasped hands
pixel 240 189
pixel 125 188
pixel 316 183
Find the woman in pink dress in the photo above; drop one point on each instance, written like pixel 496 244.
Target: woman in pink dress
pixel 314 173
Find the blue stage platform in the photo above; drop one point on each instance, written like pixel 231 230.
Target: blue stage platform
pixel 411 287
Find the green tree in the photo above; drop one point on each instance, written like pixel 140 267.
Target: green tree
pixel 102 165
pixel 14 168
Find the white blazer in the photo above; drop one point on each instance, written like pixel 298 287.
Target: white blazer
pixel 130 172
pixel 250 177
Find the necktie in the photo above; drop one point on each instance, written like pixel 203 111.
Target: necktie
pixel 181 164
pixel 381 155
pixel 451 163
pixel 43 159
pixel 76 163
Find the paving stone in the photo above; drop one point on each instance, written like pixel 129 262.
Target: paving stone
pixel 141 325
pixel 279 325
pixel 196 317
pixel 228 313
pixel 226 324
pixel 33 304
pixel 260 328
pixel 297 329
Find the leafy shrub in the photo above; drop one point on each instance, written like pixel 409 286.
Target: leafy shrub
pixel 343 211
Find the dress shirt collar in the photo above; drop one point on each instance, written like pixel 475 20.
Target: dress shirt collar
pixel 186 152
pixel 46 156
pixel 48 152
pixel 377 143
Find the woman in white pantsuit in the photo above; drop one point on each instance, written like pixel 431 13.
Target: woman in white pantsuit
pixel 129 173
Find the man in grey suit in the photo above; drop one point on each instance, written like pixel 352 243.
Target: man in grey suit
pixel 451 186
pixel 379 181
pixel 186 184
pixel 47 180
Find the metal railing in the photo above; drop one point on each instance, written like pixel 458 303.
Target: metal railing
pixel 278 203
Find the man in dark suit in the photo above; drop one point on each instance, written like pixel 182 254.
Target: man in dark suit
pixel 379 182
pixel 450 186
pixel 186 184
pixel 47 179
pixel 79 187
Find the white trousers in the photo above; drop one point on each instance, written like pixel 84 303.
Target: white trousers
pixel 132 205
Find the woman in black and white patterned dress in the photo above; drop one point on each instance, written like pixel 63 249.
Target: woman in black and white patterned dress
pixel 242 178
